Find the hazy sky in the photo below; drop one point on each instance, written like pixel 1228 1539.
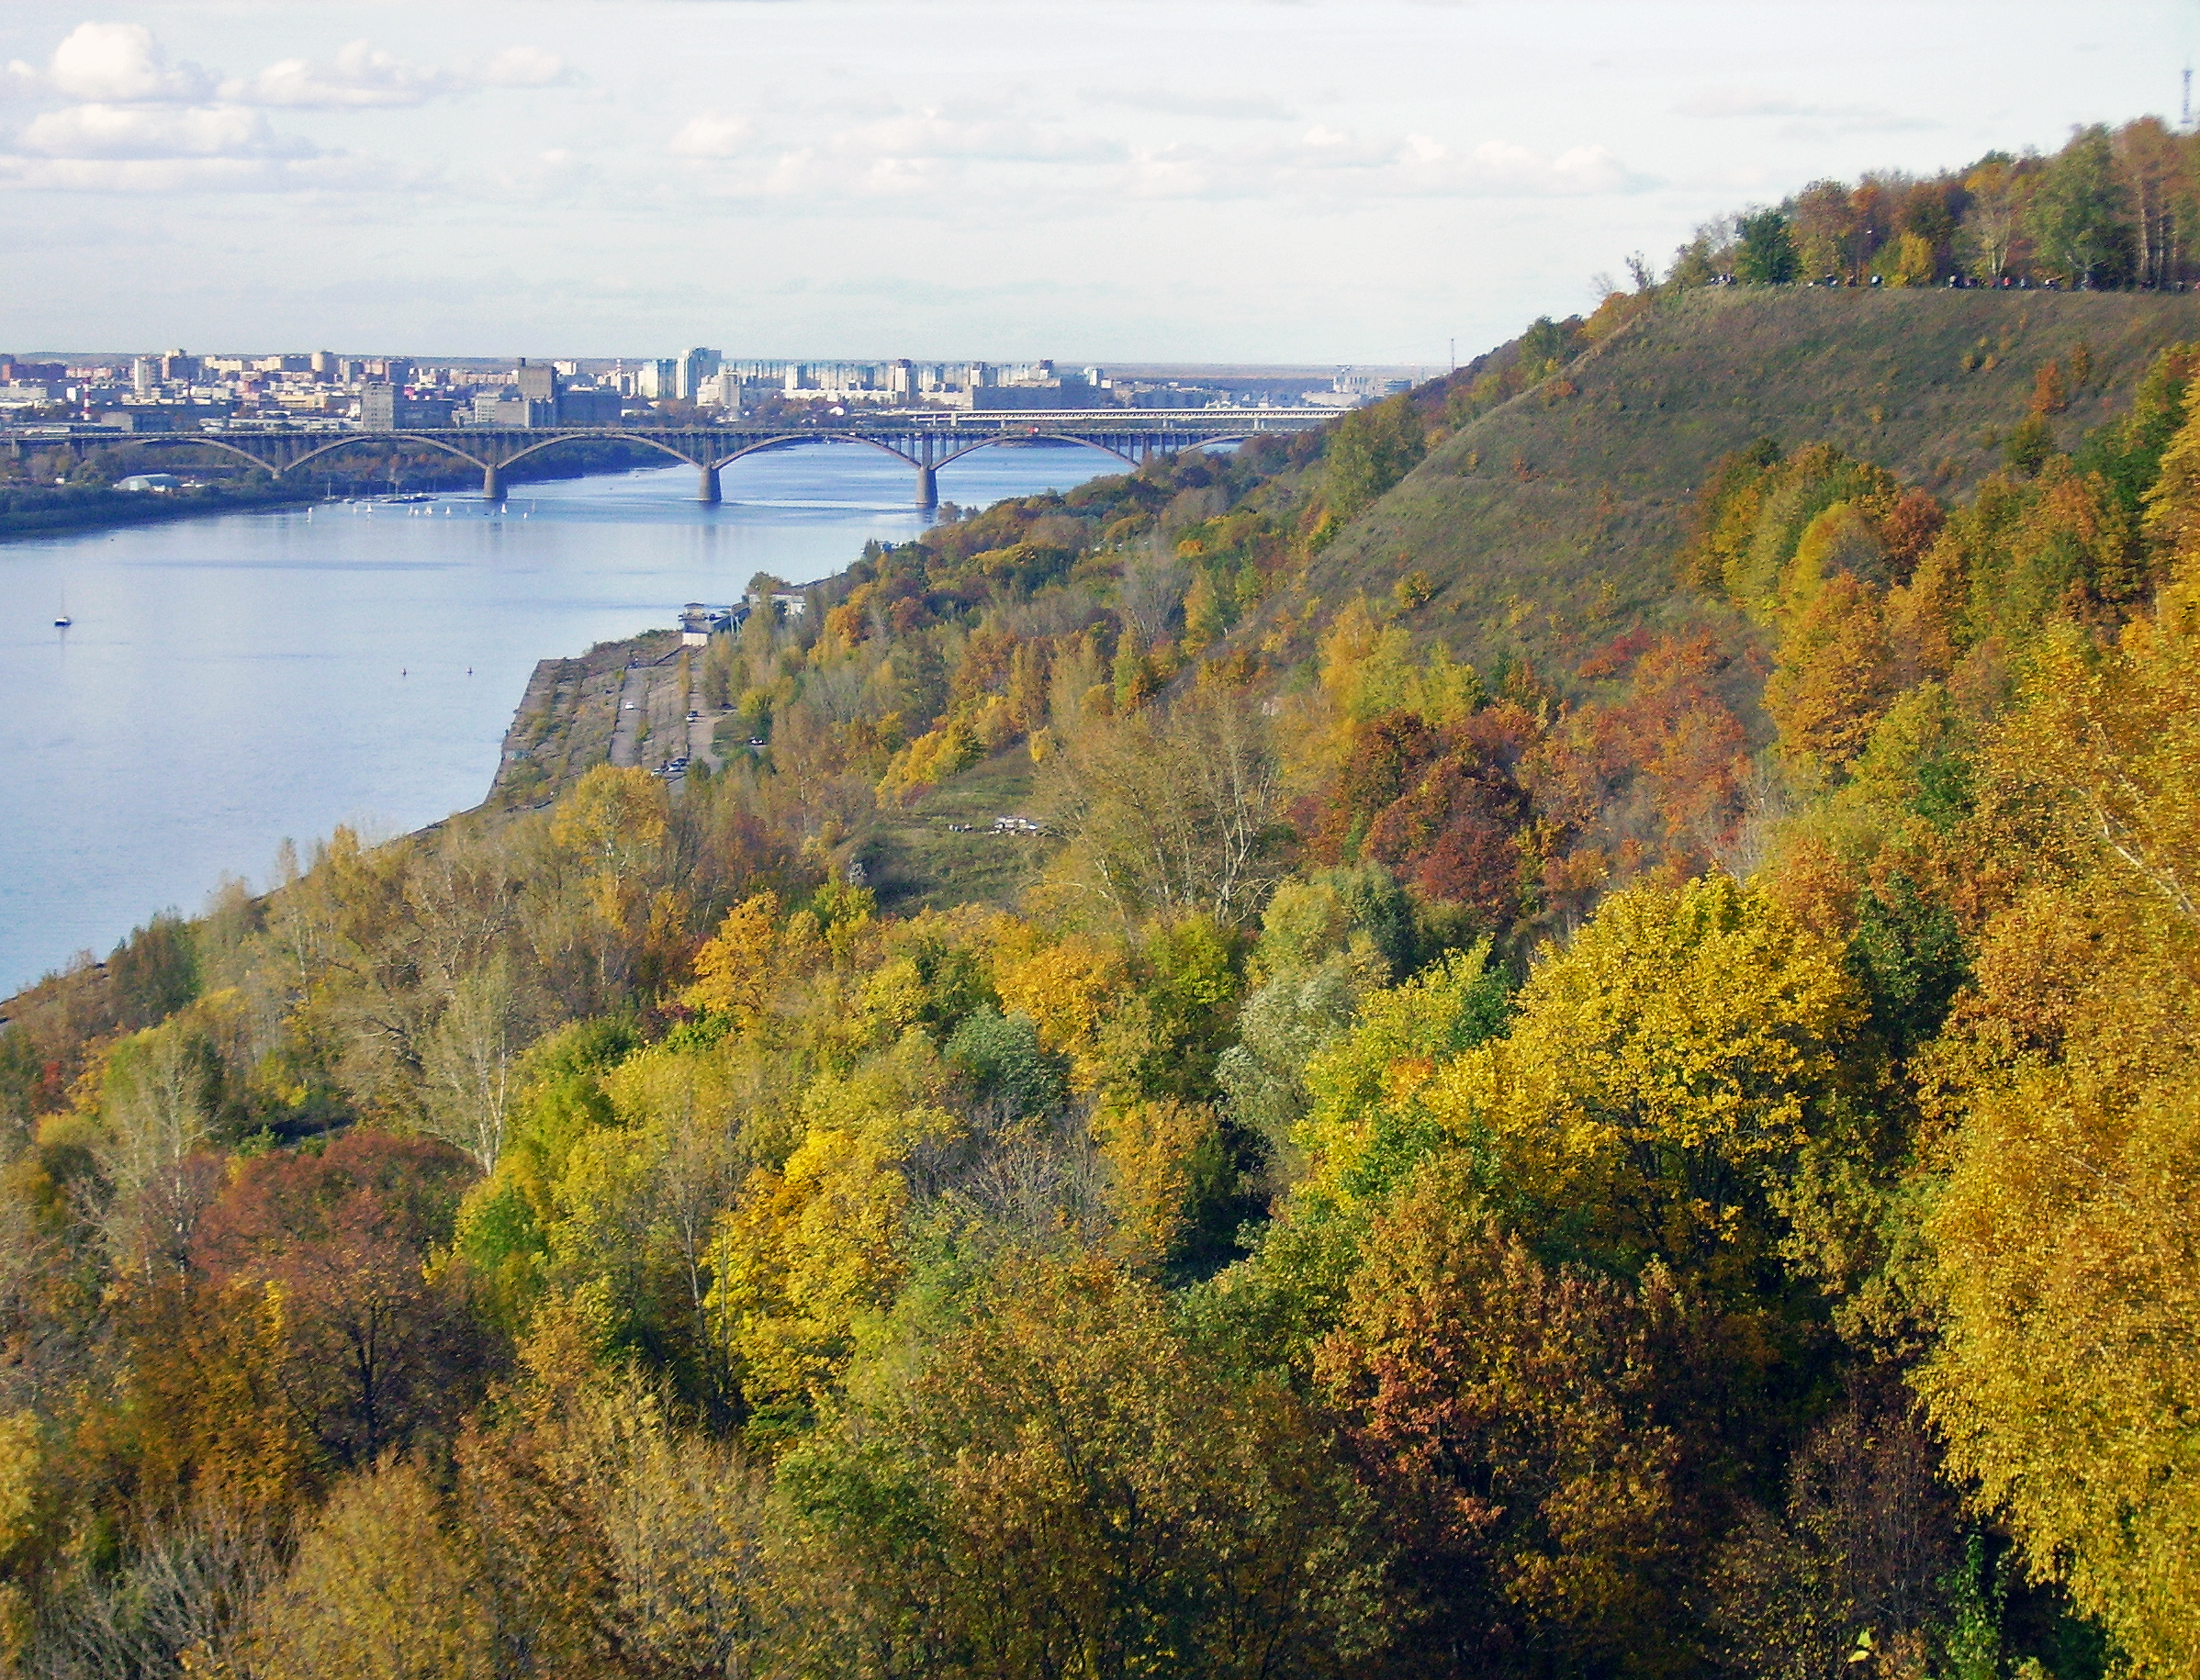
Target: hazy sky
pixel 1326 181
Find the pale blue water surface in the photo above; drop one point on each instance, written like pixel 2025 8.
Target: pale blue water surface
pixel 230 683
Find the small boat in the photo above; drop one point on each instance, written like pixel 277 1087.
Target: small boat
pixel 63 621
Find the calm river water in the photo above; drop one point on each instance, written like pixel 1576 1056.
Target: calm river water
pixel 230 683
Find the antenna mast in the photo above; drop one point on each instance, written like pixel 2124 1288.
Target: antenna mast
pixel 2184 115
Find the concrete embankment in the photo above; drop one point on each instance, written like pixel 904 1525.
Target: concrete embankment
pixel 621 702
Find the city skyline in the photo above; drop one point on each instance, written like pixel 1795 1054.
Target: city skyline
pixel 1243 182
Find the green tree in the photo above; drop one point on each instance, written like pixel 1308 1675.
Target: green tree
pixel 1765 255
pixel 1068 1490
pixel 2076 216
pixel 1373 449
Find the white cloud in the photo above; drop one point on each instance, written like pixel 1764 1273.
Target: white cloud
pixel 550 173
pixel 1328 162
pixel 893 157
pixel 118 63
pixel 362 74
pixel 1725 102
pixel 1497 168
pixel 928 136
pixel 813 176
pixel 140 132
pixel 1220 108
pixel 523 67
pixel 713 136
pixel 208 175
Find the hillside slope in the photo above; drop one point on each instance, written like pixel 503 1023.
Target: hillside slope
pixel 1551 524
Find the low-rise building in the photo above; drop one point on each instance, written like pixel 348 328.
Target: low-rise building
pixel 698 623
pixel 588 405
pixel 508 408
pixel 386 407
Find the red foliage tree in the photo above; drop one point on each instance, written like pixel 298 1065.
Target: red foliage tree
pixel 378 1350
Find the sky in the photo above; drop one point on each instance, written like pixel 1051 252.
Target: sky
pixel 1229 181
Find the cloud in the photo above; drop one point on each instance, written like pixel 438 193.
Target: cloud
pixel 138 132
pixel 170 175
pixel 1329 163
pixel 1500 169
pixel 359 75
pixel 117 64
pixel 913 154
pixel 928 136
pixel 1727 102
pixel 524 67
pixel 552 174
pixel 1221 107
pixel 713 136
pixel 893 157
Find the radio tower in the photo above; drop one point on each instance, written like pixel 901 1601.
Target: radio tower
pixel 2184 114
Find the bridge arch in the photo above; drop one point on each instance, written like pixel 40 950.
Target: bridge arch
pixel 927 496
pixel 1204 441
pixel 999 439
pixel 927 464
pixel 153 439
pixel 786 438
pixel 384 437
pixel 592 437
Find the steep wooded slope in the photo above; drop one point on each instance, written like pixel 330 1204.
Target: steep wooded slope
pixel 1550 525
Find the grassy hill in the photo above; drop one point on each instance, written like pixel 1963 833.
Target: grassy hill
pixel 1551 524
pixel 941 849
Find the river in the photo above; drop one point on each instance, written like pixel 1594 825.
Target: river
pixel 231 682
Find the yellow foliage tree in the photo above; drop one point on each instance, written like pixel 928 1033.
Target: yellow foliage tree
pixel 1663 1072
pixel 932 757
pixel 1834 677
pixel 2172 517
pixel 733 970
pixel 1151 1148
pixel 614 820
pixel 1368 668
pixel 381 1590
pixel 2067 1258
pixel 814 1255
pixel 1067 989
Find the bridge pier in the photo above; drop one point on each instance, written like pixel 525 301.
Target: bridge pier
pixel 711 490
pixel 927 485
pixel 492 482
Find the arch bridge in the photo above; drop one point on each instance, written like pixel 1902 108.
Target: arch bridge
pixel 926 442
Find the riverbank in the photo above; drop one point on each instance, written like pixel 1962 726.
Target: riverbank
pixel 32 511
pixel 569 720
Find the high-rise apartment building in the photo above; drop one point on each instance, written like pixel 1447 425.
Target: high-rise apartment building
pixel 696 366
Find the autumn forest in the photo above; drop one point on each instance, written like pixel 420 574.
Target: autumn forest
pixel 1656 1142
